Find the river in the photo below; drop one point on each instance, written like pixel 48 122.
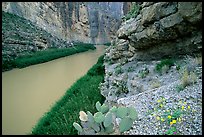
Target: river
pixel 30 92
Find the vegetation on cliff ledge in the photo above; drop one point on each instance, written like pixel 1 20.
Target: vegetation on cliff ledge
pixel 134 11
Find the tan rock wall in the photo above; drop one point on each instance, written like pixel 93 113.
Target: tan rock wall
pixel 72 20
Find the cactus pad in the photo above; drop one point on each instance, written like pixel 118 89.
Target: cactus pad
pixel 108 119
pixel 125 124
pixel 98 106
pixel 78 127
pixel 99 117
pixel 122 112
pixel 109 129
pixel 104 108
pixel 113 109
pixel 132 113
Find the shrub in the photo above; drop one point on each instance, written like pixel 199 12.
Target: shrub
pixel 130 69
pixel 166 62
pixel 185 78
pixel 134 11
pixel 188 78
pixel 118 70
pixel 97 69
pixel 165 69
pixel 143 73
pixel 122 88
pixel 179 88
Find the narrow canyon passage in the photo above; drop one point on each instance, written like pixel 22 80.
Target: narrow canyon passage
pixel 30 92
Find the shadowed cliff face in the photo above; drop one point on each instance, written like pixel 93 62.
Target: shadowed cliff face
pixel 94 22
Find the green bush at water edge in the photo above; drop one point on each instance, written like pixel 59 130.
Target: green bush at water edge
pixel 44 56
pixel 82 95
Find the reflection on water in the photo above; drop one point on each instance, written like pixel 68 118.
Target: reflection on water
pixel 29 92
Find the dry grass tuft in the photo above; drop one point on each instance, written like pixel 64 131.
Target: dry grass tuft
pixel 155 84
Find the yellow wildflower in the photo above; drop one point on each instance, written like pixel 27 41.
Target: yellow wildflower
pixel 158 101
pixel 185 103
pixel 182 107
pixel 158 118
pixel 179 119
pixel 171 123
pixel 161 105
pixel 169 117
pixel 189 107
pixel 162 120
pixel 174 121
pixel 163 99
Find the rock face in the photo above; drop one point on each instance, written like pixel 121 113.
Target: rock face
pixel 160 30
pixel 91 22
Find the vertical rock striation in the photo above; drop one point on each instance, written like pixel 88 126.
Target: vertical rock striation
pixel 92 22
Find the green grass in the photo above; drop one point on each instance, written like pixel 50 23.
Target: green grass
pixel 47 55
pixel 164 62
pixel 44 56
pixel 82 95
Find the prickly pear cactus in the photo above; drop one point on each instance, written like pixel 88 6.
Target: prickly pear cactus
pixel 98 106
pixel 109 129
pixel 125 124
pixel 122 112
pixel 113 109
pixel 103 121
pixel 108 119
pixel 104 108
pixel 99 117
pixel 132 113
pixel 78 127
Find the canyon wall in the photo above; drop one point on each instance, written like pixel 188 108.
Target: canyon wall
pixel 90 22
pixel 161 30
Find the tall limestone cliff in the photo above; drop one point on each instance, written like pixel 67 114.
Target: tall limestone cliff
pixel 90 22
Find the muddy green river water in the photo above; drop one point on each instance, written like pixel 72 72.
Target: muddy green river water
pixel 30 92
